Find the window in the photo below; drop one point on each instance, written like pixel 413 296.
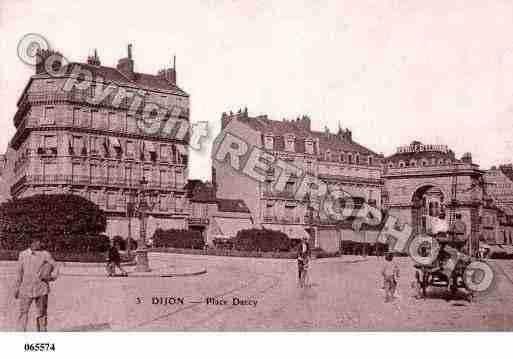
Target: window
pixel 131 124
pixel 130 149
pixel 162 177
pixel 76 171
pixel 342 157
pixel 164 153
pixel 112 121
pixel 49 171
pixel 369 161
pixel 77 145
pixel 269 142
pixel 289 143
pixel 163 203
pixel 289 187
pixel 50 142
pixel 94 119
pixel 327 156
pixel 93 171
pixel 350 158
pixel 147 174
pixel 128 175
pixel 309 146
pixel 49 116
pixel 111 200
pixel 111 173
pixel 76 117
pixel 357 158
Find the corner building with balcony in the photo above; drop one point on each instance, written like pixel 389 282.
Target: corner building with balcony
pixel 334 158
pixel 66 143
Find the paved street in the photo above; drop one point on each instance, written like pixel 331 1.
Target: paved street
pixel 345 295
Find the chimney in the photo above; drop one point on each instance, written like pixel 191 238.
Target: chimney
pixel 169 74
pixel 55 59
pixel 304 123
pixel 94 60
pixel 126 65
pixel 467 157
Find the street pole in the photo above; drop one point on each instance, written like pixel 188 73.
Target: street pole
pixel 142 263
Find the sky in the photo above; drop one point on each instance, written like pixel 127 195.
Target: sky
pixel 392 71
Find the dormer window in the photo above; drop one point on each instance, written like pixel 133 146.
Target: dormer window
pixel 327 156
pixel 289 143
pixel 309 146
pixel 269 142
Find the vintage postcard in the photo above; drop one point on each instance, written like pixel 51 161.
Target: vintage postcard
pixel 256 166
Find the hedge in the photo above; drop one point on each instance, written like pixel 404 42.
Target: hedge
pixel 178 238
pixel 264 240
pixel 88 243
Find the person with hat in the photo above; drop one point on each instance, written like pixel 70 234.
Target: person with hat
pixel 35 270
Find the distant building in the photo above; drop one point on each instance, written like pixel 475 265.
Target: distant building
pixel 423 182
pixel 215 218
pixel 335 158
pixel 65 143
pixel 499 184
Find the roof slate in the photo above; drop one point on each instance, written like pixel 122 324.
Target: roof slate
pixel 327 141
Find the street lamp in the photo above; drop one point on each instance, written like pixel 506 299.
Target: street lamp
pixel 145 203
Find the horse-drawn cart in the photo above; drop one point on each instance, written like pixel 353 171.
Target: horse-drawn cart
pixel 438 273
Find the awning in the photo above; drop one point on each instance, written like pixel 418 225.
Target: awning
pixel 507 248
pixel 292 231
pixel 496 249
pixel 114 141
pixel 230 226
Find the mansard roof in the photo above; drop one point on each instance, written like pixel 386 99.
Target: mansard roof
pixel 139 80
pixel 507 170
pixel 301 130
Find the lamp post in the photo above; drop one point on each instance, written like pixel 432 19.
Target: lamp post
pixel 141 254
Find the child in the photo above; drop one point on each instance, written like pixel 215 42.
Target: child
pixel 390 274
pixel 306 272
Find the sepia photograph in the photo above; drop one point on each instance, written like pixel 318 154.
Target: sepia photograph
pixel 255 166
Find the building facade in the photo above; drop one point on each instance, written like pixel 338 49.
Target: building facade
pixel 65 142
pixel 424 183
pixel 335 158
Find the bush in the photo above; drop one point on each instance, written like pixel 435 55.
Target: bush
pixel 178 238
pixel 264 240
pixel 63 222
pixel 58 244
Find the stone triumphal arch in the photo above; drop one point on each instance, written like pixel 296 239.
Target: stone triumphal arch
pixel 423 182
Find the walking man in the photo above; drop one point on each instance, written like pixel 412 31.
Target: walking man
pixel 36 268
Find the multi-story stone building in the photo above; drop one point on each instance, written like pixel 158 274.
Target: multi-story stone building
pixel 499 184
pixel 335 158
pixel 65 142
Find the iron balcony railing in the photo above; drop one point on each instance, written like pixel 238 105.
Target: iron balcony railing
pixel 95 180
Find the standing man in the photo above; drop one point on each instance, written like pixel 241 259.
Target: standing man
pixel 36 268
pixel 302 256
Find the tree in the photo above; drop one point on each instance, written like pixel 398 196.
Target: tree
pixel 51 217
